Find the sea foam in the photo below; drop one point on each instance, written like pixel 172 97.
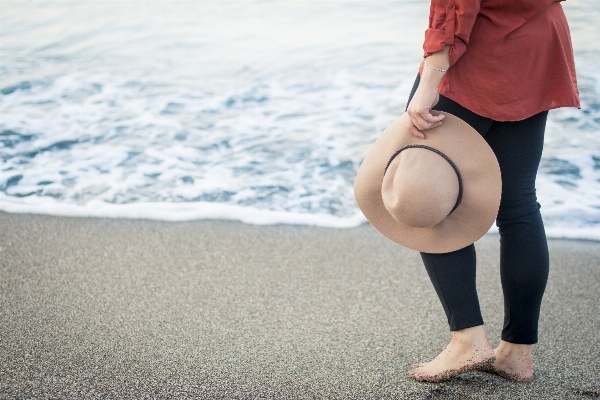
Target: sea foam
pixel 162 111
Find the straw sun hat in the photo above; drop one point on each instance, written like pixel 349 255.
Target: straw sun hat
pixel 435 195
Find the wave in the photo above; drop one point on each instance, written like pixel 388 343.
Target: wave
pixel 190 211
pixel 182 211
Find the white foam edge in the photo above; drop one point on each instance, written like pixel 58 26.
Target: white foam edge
pixel 184 211
pixel 585 233
pixel 557 232
pixel 189 211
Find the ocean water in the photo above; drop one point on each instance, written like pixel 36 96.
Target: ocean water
pixel 258 111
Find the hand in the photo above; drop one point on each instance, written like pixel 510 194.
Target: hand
pixel 427 95
pixel 419 109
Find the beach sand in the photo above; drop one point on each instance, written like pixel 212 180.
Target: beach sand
pixel 222 310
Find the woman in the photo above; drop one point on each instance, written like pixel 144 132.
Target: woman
pixel 499 65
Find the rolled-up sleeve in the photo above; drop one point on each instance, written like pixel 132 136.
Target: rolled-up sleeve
pixel 450 23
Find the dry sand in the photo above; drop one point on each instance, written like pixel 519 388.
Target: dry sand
pixel 221 310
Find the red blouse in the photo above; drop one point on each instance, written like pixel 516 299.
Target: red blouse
pixel 509 59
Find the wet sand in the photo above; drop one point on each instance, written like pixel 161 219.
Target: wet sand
pixel 222 310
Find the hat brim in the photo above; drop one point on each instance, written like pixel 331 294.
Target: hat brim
pixel 482 186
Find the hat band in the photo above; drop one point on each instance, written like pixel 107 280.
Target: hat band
pixel 421 146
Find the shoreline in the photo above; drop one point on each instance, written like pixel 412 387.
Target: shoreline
pixel 223 309
pixel 208 211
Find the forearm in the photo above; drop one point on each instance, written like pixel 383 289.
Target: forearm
pixel 427 94
pixel 431 77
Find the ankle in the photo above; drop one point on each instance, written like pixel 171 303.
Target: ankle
pixel 508 348
pixel 473 340
pixel 471 336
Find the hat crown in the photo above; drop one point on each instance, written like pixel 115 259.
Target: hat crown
pixel 463 218
pixel 420 188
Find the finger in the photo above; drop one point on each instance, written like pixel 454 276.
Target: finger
pixel 429 125
pixel 414 123
pixel 421 123
pixel 416 132
pixel 417 121
pixel 432 119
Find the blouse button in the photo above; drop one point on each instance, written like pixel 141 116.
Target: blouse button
pixel 450 5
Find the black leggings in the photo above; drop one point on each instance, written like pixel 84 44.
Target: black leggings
pixel 524 261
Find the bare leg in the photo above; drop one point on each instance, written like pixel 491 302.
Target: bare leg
pixel 468 350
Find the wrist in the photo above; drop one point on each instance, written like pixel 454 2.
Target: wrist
pixel 431 78
pixel 434 68
pixel 435 65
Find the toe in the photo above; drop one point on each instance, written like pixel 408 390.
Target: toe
pixel 414 372
pixel 421 376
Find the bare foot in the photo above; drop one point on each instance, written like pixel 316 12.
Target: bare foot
pixel 468 350
pixel 415 366
pixel 513 361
